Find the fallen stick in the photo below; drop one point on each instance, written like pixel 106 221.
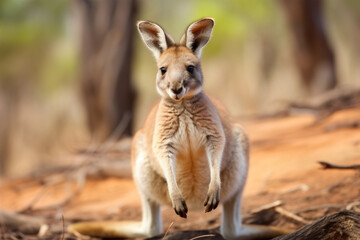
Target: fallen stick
pixel 266 207
pixel 291 215
pixel 263 214
pixel 34 200
pixel 20 222
pixel 327 165
pixel 324 206
pixel 80 183
pixel 303 187
pixel 336 126
pixel 326 104
pixel 350 206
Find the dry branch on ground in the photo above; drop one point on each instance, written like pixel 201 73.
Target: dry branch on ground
pixel 19 222
pixel 327 165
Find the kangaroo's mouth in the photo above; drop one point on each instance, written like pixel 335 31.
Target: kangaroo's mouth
pixel 177 96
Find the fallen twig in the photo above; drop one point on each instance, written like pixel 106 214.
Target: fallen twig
pixel 203 236
pixel 80 182
pixel 39 194
pixel 63 227
pixel 168 229
pixel 348 124
pixel 350 206
pixel 291 215
pixel 324 206
pixel 22 223
pixel 327 165
pixel 263 214
pixel 332 187
pixel 326 104
pixel 266 207
pixel 303 187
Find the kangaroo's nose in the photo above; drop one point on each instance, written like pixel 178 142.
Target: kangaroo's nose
pixel 177 91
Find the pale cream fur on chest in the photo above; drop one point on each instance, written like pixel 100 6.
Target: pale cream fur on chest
pixel 189 138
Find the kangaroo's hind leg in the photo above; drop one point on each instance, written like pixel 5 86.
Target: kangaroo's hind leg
pixel 231 227
pixel 146 179
pixel 233 183
pixel 234 177
pixel 231 217
pixel 151 224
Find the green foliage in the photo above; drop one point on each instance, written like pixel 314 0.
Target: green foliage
pixel 236 17
pixel 236 20
pixel 59 70
pixel 28 31
pixel 27 23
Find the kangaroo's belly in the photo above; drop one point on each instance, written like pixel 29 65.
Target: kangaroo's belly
pixel 192 168
pixel 193 178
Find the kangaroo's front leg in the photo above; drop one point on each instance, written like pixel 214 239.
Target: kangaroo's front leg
pixel 167 160
pixel 214 151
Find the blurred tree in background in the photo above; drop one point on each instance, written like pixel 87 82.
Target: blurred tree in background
pixel 106 58
pixel 313 54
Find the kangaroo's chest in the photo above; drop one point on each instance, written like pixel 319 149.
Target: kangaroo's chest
pixel 189 140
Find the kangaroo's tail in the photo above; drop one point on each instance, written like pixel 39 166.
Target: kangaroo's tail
pixel 129 229
pixel 108 229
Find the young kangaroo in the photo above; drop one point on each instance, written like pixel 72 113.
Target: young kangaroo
pixel 189 155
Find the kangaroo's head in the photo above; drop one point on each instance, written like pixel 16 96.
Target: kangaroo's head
pixel 179 73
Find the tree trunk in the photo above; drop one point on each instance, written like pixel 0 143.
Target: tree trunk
pixel 106 57
pixel 313 54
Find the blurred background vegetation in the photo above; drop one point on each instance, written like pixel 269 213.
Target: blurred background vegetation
pixel 44 63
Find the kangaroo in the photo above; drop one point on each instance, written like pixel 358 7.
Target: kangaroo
pixel 190 154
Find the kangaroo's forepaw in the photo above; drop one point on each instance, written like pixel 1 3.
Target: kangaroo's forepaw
pixel 212 200
pixel 180 207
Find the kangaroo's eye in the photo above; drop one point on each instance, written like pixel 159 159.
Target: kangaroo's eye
pixel 163 70
pixel 190 68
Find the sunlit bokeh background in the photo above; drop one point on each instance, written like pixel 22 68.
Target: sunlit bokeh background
pixel 248 64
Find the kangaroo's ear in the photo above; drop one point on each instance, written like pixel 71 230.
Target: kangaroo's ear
pixel 197 35
pixel 154 37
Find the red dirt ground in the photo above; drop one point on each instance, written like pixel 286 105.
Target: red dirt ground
pixel 283 166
